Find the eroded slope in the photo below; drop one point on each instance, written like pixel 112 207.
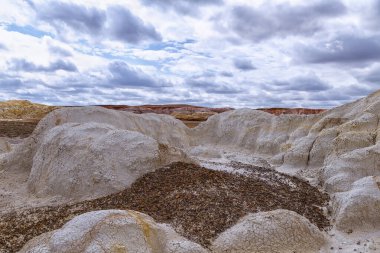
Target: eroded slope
pixel 199 203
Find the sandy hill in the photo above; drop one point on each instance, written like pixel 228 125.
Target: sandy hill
pixel 23 109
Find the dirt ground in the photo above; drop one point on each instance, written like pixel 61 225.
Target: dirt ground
pixel 199 203
pixel 17 128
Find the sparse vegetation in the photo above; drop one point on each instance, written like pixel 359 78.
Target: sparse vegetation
pixel 23 110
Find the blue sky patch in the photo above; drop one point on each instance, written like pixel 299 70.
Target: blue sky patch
pixel 28 30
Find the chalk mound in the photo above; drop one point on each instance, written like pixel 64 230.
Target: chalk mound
pixel 275 231
pixel 83 153
pixel 163 128
pixel 81 161
pixel 112 231
pixel 358 208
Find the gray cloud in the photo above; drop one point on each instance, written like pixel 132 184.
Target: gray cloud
pixel 356 91
pixel 16 87
pixel 329 96
pixel 372 15
pixel 377 10
pixel 210 85
pixel 125 76
pixel 124 26
pixel 373 77
pixel 116 23
pixel 206 68
pixel 310 83
pixel 59 51
pixel 7 82
pixel 186 7
pixel 78 17
pixel 180 100
pixel 226 74
pixel 76 90
pixel 370 76
pixel 282 20
pixel 2 47
pixel 339 95
pixel 342 49
pixel 243 64
pixel 24 65
pixel 208 82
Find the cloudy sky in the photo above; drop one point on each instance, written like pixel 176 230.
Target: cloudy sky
pixel 238 53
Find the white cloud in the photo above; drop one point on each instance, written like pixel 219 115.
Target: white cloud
pixel 195 56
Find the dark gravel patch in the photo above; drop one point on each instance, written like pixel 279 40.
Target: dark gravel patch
pixel 199 203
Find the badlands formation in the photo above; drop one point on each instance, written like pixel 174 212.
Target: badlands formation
pixel 91 179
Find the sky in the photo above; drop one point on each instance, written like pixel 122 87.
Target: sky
pixel 218 53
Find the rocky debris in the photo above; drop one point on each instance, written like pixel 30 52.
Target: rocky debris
pixel 199 203
pixel 274 231
pixel 112 231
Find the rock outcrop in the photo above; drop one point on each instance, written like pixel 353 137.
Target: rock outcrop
pixel 91 160
pixel 112 231
pixel 82 153
pixel 275 231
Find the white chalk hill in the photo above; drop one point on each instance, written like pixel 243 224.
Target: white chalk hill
pixel 82 153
